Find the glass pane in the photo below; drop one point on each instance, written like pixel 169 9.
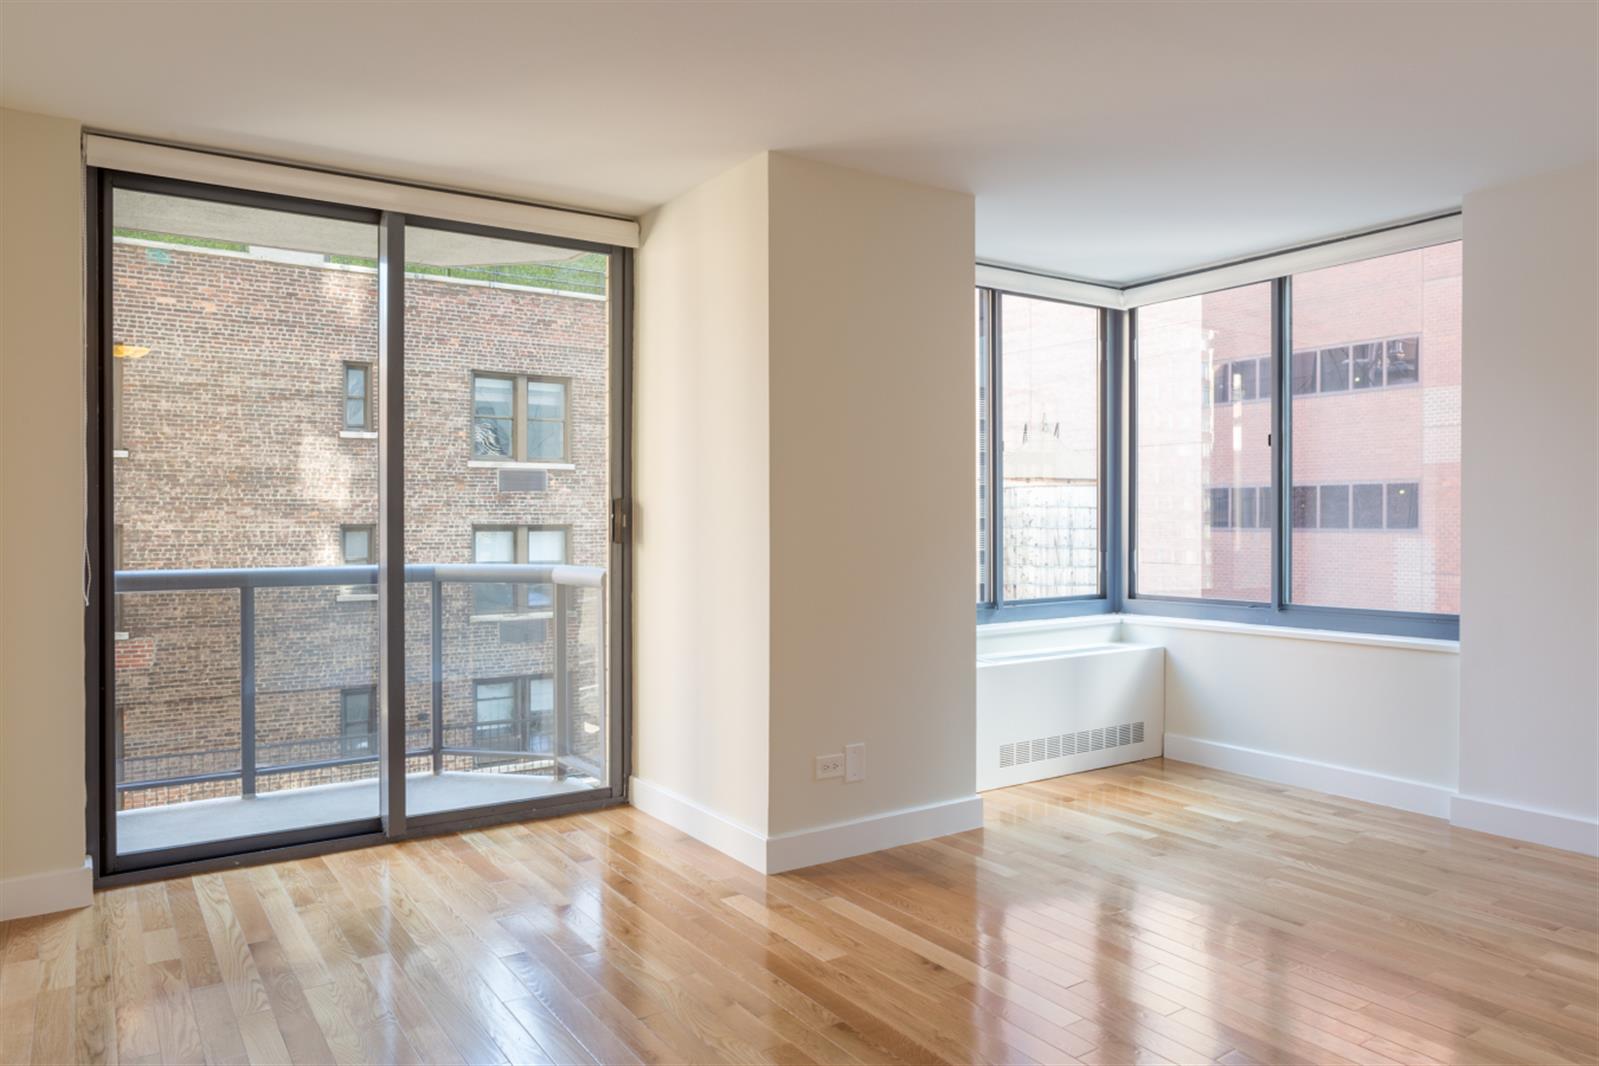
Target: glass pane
pixel 355 382
pixel 1189 446
pixel 1335 507
pixel 492 397
pixel 355 414
pixel 1386 454
pixel 254 313
pixel 1334 369
pixel 1050 448
pixel 1367 506
pixel 357 546
pixel 1304 372
pixel 982 448
pixel 485 317
pixel 546 441
pixel 1404 506
pixel 1365 365
pixel 546 399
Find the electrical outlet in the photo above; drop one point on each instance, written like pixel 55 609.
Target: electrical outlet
pixel 855 762
pixel 829 766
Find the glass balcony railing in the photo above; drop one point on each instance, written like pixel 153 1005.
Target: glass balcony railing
pixel 261 684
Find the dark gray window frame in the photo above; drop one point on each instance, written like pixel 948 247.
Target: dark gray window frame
pixel 997 608
pixel 393 822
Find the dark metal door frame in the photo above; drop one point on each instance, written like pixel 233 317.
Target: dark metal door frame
pixel 100 649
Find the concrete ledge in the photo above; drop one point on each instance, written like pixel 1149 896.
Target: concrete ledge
pixel 805 847
pixel 46 893
pixel 1531 824
pixel 1403 793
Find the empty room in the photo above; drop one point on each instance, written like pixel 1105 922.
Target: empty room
pixel 786 532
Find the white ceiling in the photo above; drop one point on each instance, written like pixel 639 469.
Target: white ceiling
pixel 1106 141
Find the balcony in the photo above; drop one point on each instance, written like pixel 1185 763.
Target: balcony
pixel 247 702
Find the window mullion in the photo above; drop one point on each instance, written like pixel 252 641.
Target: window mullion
pixel 1281 441
pixel 996 461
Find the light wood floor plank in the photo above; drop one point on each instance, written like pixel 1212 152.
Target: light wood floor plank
pixel 1149 913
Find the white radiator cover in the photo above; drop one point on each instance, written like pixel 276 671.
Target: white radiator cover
pixel 1047 712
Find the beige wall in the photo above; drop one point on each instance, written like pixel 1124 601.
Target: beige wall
pixel 1529 634
pixel 703 526
pixel 872 393
pixel 41 497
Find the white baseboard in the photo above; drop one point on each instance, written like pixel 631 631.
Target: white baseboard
pixel 46 893
pixel 862 836
pixel 1403 793
pixel 746 845
pixel 805 847
pixel 1526 823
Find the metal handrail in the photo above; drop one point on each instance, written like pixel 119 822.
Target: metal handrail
pixel 247 579
pixel 311 576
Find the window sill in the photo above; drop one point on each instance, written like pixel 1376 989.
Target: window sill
pixel 356 597
pixel 1328 636
pixel 119 453
pixel 511 464
pixel 120 634
pixel 358 434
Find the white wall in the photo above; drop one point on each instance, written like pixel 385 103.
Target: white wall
pixel 803 538
pixel 702 533
pixel 41 516
pixel 872 399
pixel 1529 749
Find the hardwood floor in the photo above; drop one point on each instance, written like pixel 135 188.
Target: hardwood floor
pixel 1145 913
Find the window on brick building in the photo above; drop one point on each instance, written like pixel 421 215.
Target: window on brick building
pixel 1386 456
pixel 357 396
pixel 520 418
pixel 358 725
pixel 359 545
pixel 515 714
pixel 1192 541
pixel 516 544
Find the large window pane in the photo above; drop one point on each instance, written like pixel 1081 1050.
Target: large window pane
pixel 508 342
pixel 244 341
pixel 1200 442
pixel 1379 435
pixel 1050 448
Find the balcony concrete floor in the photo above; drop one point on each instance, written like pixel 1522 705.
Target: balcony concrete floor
pixel 201 821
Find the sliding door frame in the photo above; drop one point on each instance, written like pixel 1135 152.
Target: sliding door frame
pixel 391 822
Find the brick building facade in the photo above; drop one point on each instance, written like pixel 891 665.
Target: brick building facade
pixel 241 442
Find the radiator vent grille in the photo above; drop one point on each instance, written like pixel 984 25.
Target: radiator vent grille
pixel 1023 752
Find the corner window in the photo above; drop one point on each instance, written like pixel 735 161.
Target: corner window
pixel 357 396
pixel 520 418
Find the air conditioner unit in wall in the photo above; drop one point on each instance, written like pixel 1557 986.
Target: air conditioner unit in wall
pixel 1047 712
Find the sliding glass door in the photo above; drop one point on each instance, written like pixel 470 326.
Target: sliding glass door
pixel 507 466
pixel 244 370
